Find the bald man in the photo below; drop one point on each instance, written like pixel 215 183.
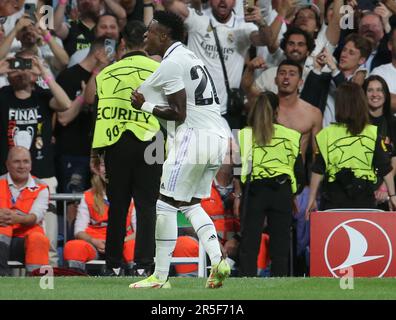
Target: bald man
pixel 23 202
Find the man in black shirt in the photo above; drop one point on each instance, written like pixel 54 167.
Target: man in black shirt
pixel 80 34
pixel 106 27
pixel 25 120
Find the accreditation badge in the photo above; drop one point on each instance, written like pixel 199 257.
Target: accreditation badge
pixel 39 143
pixel 230 37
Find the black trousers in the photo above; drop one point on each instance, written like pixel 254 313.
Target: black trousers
pixel 234 121
pixel 13 252
pixel 266 198
pixel 130 176
pixel 335 197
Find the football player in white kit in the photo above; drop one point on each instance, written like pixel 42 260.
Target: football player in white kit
pixel 182 92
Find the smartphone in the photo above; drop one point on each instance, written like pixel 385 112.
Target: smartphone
pixel 30 9
pixel 250 3
pixel 20 64
pixel 110 47
pixel 304 3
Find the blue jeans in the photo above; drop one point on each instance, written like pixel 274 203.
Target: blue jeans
pixel 74 177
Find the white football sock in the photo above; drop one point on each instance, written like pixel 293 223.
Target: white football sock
pixel 165 238
pixel 205 230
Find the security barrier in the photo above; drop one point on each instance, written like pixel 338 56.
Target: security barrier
pixel 68 197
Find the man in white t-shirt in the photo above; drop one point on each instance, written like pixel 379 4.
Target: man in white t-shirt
pixel 182 92
pixel 27 36
pixel 388 71
pixel 308 18
pixel 235 38
pixel 297 45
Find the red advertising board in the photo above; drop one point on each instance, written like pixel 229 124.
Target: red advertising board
pixel 363 241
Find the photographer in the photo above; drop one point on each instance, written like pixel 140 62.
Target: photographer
pixel 28 35
pixel 25 120
pixel 77 35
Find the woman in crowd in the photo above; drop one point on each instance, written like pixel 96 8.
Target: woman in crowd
pixel 351 157
pixel 379 103
pixel 91 225
pixel 272 151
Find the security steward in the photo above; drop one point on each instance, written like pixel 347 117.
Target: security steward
pixel 272 172
pixel 350 158
pixel 23 202
pixel 122 135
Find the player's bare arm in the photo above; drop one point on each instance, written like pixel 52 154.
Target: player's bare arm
pixel 176 110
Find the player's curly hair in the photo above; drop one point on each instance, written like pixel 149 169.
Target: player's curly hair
pixel 173 22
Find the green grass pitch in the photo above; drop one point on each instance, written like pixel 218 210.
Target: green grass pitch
pixel 99 288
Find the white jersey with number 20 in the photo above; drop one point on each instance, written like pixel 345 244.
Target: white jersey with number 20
pixel 182 69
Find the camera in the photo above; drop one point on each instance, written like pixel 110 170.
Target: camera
pixel 30 9
pixel 20 64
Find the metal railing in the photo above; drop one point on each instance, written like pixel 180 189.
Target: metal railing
pixel 68 197
pixel 65 197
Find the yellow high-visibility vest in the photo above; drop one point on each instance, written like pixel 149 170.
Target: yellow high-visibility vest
pixel 276 158
pixel 340 150
pixel 115 114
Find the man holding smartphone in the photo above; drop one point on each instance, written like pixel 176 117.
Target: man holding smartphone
pixel 106 27
pixel 79 34
pixel 32 37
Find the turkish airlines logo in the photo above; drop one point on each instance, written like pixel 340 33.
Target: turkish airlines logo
pixel 361 244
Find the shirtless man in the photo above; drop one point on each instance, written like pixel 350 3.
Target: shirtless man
pixel 294 112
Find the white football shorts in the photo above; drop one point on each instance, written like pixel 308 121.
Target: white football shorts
pixel 194 157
